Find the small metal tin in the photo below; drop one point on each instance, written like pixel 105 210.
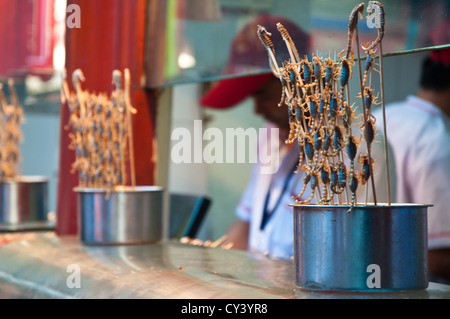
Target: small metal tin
pixel 373 248
pixel 129 215
pixel 24 200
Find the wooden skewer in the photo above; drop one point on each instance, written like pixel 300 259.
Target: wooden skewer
pixel 380 57
pixel 129 110
pixel 219 241
pixel 365 116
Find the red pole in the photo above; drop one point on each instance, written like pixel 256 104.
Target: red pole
pixel 26 38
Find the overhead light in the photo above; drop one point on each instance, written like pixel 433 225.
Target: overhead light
pixel 186 60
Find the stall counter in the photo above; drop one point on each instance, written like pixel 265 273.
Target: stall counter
pixel 44 265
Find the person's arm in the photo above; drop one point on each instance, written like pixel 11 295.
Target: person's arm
pixel 239 231
pixel 439 262
pixel 237 234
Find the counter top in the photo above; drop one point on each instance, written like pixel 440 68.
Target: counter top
pixel 43 265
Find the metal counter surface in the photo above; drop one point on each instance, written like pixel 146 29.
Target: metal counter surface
pixel 35 265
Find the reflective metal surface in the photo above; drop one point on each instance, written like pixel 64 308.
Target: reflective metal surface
pixel 129 215
pixel 23 201
pixel 372 248
pixel 42 265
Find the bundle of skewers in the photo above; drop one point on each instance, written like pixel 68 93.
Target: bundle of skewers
pixel 322 114
pixel 208 243
pixel 11 118
pixel 100 132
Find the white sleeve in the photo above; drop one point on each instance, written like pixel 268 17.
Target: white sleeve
pixel 245 206
pixel 436 191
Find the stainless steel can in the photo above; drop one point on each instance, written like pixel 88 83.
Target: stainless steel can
pixel 373 248
pixel 129 215
pixel 24 200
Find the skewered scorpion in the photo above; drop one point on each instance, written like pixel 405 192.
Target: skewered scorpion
pixel 321 116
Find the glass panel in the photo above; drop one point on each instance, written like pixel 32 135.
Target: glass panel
pixel 203 31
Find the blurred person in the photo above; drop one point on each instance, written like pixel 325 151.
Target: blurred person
pixel 265 218
pixel 247 54
pixel 418 131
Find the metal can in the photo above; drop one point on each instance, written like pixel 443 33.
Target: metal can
pixel 24 200
pixel 371 248
pixel 127 215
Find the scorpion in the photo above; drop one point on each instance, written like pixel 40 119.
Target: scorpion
pixel 369 99
pixel 321 116
pixel 369 131
pixel 334 108
pixel 369 66
pixel 348 117
pixel 338 177
pixel 352 148
pixel 366 168
pixel 312 178
pixel 325 178
pixel 313 108
pixel 371 7
pixel 353 186
pixel 292 126
pixel 264 37
pixel 318 72
pixel 306 75
pixel 352 25
pixel 285 85
pixel 289 43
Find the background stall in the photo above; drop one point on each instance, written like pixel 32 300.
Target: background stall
pixel 175 49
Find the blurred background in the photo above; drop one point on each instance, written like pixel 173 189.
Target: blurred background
pixel 185 46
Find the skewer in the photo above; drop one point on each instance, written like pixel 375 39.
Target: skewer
pixel 120 107
pixel 380 57
pixel 219 241
pixel 365 116
pixel 129 110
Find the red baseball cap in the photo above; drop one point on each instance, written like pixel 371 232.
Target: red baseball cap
pixel 247 55
pixel 441 35
pixel 441 56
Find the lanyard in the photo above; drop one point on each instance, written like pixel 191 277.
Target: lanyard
pixel 266 213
